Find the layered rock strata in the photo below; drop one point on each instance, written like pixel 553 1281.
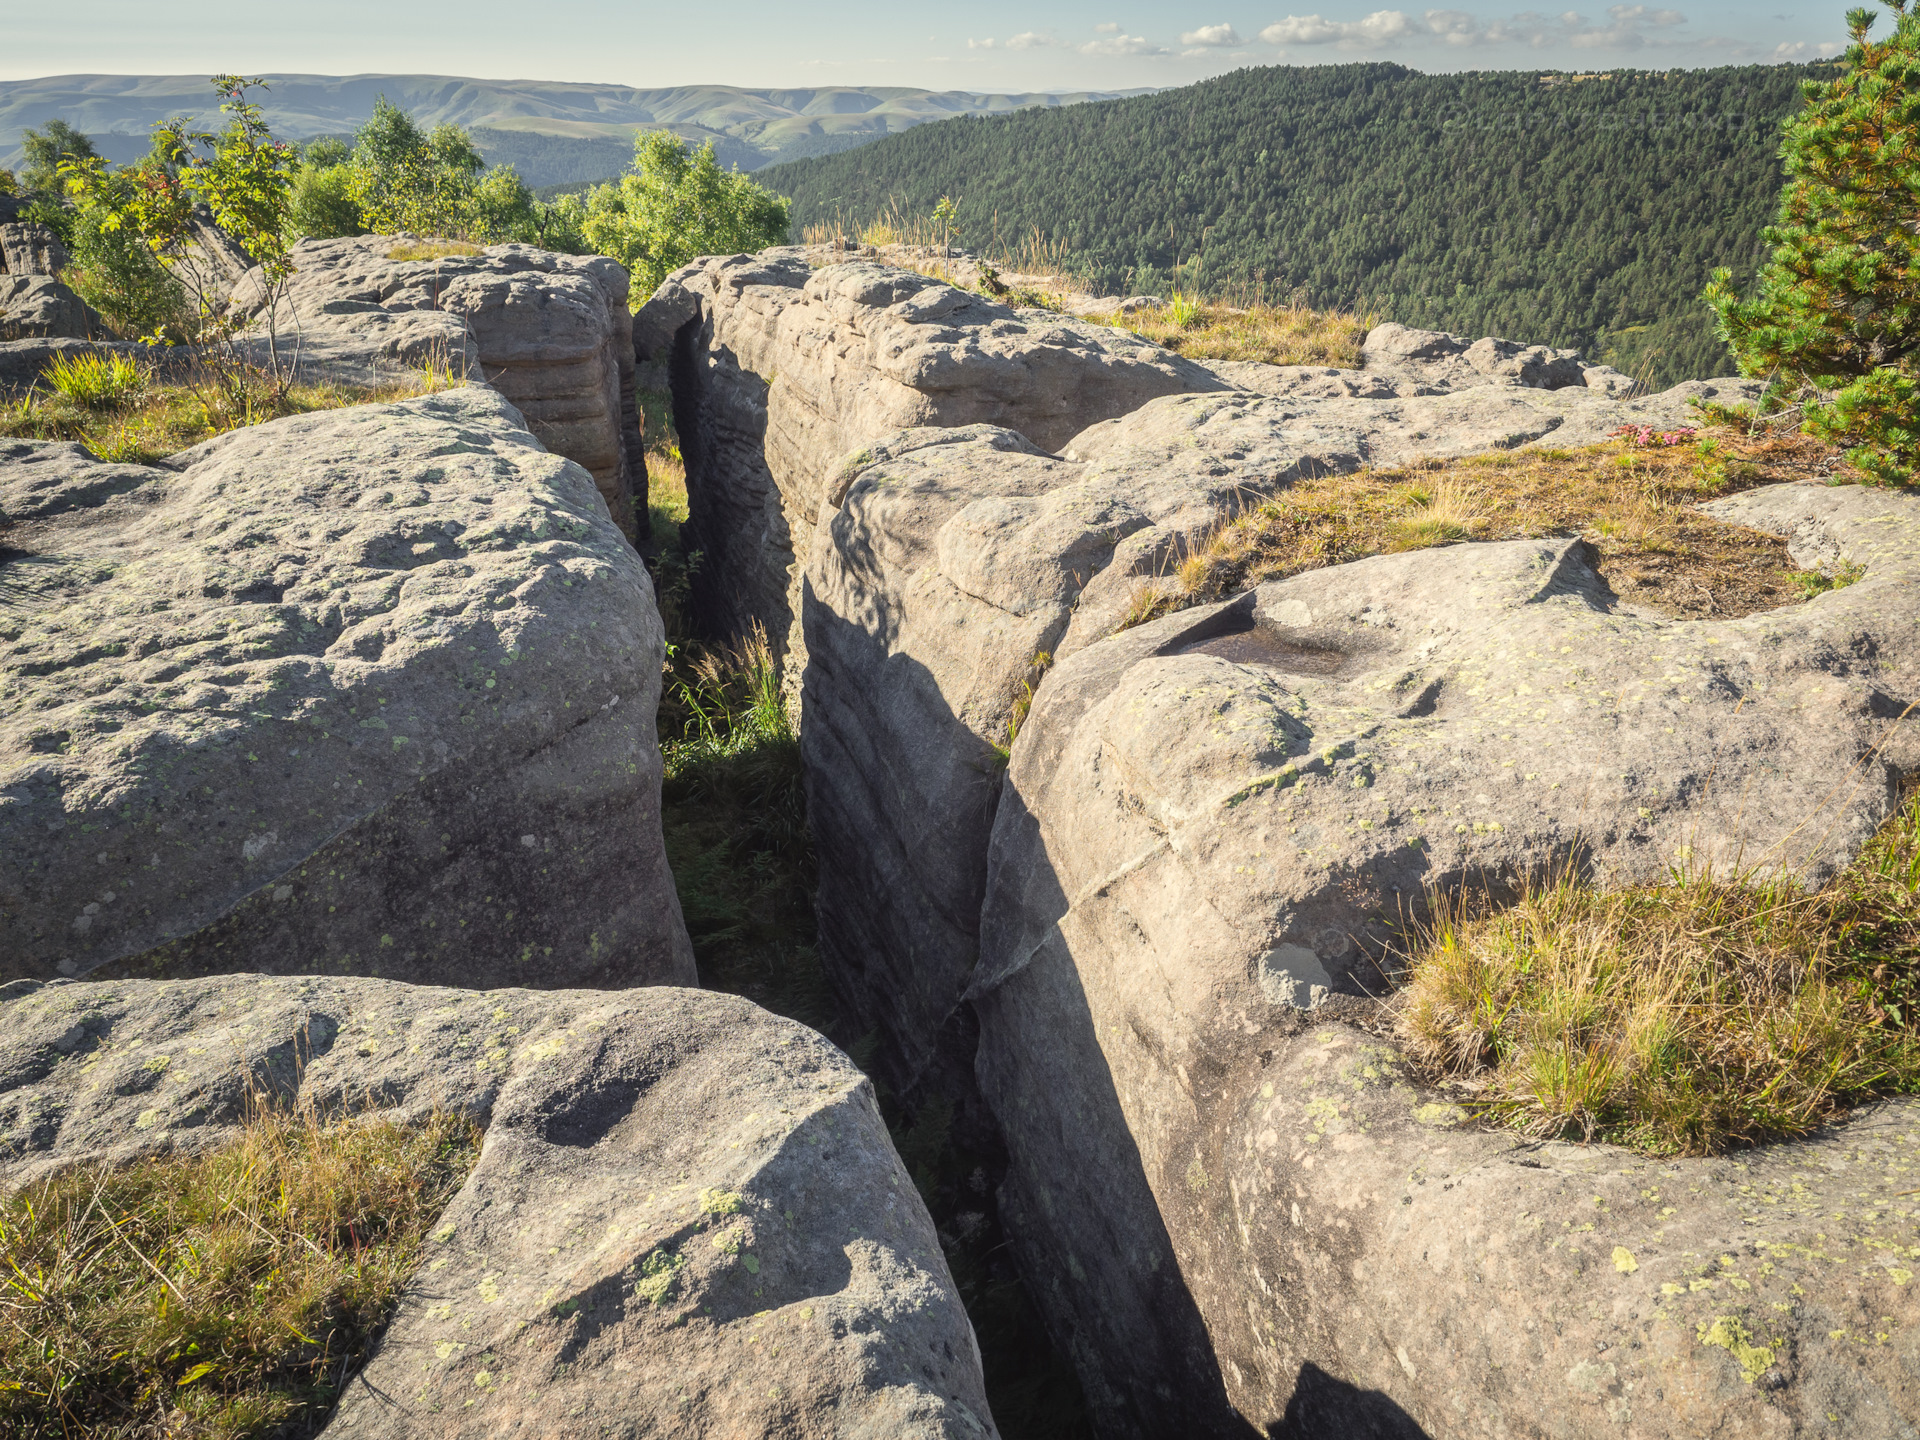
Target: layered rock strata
pixel 550 332
pixel 686 1217
pixel 1207 823
pixel 370 690
pixel 779 370
pixel 30 248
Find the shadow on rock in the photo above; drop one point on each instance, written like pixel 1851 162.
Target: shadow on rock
pixel 1327 1408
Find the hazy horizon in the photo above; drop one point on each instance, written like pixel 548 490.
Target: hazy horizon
pixel 1065 45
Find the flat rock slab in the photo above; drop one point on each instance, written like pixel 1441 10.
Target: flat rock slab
pixel 686 1217
pixel 1215 818
pixel 368 690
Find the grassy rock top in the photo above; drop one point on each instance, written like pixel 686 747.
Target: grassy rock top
pixel 686 1211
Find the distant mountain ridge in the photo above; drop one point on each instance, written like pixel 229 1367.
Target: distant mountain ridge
pixel 748 127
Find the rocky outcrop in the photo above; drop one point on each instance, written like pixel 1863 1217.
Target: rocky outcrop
pixel 368 690
pixel 686 1216
pixel 550 332
pixel 949 563
pixel 38 307
pixel 1209 819
pixel 30 248
pixel 779 370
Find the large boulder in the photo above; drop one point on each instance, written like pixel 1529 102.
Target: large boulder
pixel 550 332
pixel 38 307
pixel 1209 824
pixel 686 1217
pixel 779 370
pixel 370 689
pixel 30 248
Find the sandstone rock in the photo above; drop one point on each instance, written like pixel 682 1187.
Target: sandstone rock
pixel 1207 822
pixel 23 363
pixel 30 248
pixel 38 307
pixel 946 560
pixel 686 1219
pixel 371 689
pixel 550 332
pixel 779 370
pixel 1432 358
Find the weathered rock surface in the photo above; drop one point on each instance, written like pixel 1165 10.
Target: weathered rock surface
pixel 779 370
pixel 686 1218
pixel 38 307
pixel 1207 820
pixel 550 332
pixel 30 248
pixel 370 690
pixel 946 561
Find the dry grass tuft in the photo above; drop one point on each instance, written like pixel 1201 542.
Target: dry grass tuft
pixel 1677 1018
pixel 432 250
pixel 1635 505
pixel 1271 334
pixel 222 1295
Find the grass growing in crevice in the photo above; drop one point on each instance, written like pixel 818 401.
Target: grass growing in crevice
pixel 1635 504
pixel 1271 334
pixel 733 810
pixel 124 412
pixel 221 1295
pixel 1678 1018
pixel 432 250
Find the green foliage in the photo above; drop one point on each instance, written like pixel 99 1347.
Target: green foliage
pixel 325 152
pixel 675 204
pixel 1839 301
pixel 95 381
pixel 116 268
pixel 321 205
pixel 46 150
pixel 1484 203
pixel 405 179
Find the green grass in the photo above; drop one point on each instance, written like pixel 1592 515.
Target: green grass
pixel 223 1295
pixel 124 413
pixel 1683 1017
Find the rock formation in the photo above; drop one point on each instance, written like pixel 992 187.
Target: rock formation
pixel 686 1217
pixel 370 689
pixel 38 307
pixel 550 332
pixel 1208 819
pixel 30 248
pixel 779 370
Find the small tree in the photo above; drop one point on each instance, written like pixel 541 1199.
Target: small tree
pixel 675 204
pixel 1839 301
pixel 240 179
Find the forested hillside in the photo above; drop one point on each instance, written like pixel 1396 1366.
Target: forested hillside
pixel 1571 211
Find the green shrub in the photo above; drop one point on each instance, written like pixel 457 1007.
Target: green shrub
pixel 1839 302
pixel 321 205
pixel 675 204
pixel 95 381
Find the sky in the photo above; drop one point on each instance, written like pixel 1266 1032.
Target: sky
pixel 985 45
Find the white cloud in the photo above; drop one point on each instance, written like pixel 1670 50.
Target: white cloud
pixel 1626 27
pixel 1211 35
pixel 1379 28
pixel 1107 29
pixel 1801 50
pixel 1120 44
pixel 1026 40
